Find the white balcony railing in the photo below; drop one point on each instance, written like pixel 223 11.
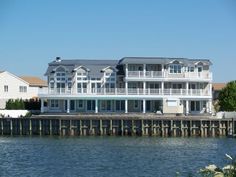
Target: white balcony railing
pixel 130 91
pixel 166 74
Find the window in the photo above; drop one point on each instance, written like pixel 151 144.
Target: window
pixel 190 69
pixel 51 85
pixel 112 85
pixel 175 68
pixel 5 88
pixel 90 105
pixel 23 89
pixel 135 103
pixel 69 85
pixel 199 68
pixel 81 105
pixel 54 104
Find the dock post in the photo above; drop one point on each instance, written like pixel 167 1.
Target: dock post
pixel 151 128
pixel 154 128
pixel 122 127
pixel 190 127
pixel 205 129
pixel 213 129
pixel 11 127
pixel 220 128
pixel 194 128
pixel 60 127
pixel 233 127
pixel 40 127
pixel 101 127
pixel 111 132
pixel 20 126
pixel 162 129
pixel 50 127
pixel 2 126
pixel 70 128
pixel 201 129
pixel 182 128
pixel 132 128
pixel 172 130
pixel 30 127
pixel 91 127
pixel 142 125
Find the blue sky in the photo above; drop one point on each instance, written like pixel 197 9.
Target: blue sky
pixel 34 32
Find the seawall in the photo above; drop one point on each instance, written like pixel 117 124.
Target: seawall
pixel 87 125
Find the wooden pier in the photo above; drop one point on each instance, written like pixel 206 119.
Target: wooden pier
pixel 91 125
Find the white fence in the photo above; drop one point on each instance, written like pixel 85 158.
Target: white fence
pixel 123 91
pixel 166 74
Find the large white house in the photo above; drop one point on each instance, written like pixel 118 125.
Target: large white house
pixel 14 87
pixel 131 84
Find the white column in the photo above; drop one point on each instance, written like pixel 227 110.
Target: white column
pixel 126 106
pixel 144 88
pixel 126 87
pixel 210 106
pixel 162 70
pixel 96 106
pixel 187 86
pixel 144 70
pixel 210 89
pixel 42 106
pixel 162 87
pixel 68 106
pixel 144 106
pixel 126 70
pixel 187 107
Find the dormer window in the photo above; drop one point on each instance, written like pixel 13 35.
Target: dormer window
pixel 174 68
pixel 190 69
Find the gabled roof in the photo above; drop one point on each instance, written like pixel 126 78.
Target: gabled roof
pixel 34 81
pixel 218 86
pixel 161 60
pixel 95 66
pixel 6 72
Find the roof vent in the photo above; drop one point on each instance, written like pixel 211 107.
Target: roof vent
pixel 58 59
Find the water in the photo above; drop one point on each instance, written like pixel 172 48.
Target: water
pixel 110 156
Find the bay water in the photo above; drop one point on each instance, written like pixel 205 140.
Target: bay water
pixel 110 156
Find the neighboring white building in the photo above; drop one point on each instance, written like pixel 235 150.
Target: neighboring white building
pixel 132 84
pixel 13 87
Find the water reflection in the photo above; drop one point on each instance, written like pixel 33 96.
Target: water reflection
pixel 110 156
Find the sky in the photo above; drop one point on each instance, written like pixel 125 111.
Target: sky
pixel 34 32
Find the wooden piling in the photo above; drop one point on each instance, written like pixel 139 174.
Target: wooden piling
pixel 101 127
pixel 60 127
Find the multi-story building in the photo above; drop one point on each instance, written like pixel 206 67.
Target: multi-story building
pixel 132 84
pixel 14 87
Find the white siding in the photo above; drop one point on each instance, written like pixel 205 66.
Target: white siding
pixel 13 82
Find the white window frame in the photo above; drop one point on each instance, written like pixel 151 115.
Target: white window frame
pixel 175 69
pixel 22 89
pixel 54 103
pixel 5 88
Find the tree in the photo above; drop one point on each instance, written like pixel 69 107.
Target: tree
pixel 227 97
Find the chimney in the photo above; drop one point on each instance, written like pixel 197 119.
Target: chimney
pixel 58 59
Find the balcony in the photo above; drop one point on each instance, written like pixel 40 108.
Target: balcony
pixel 130 91
pixel 166 74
